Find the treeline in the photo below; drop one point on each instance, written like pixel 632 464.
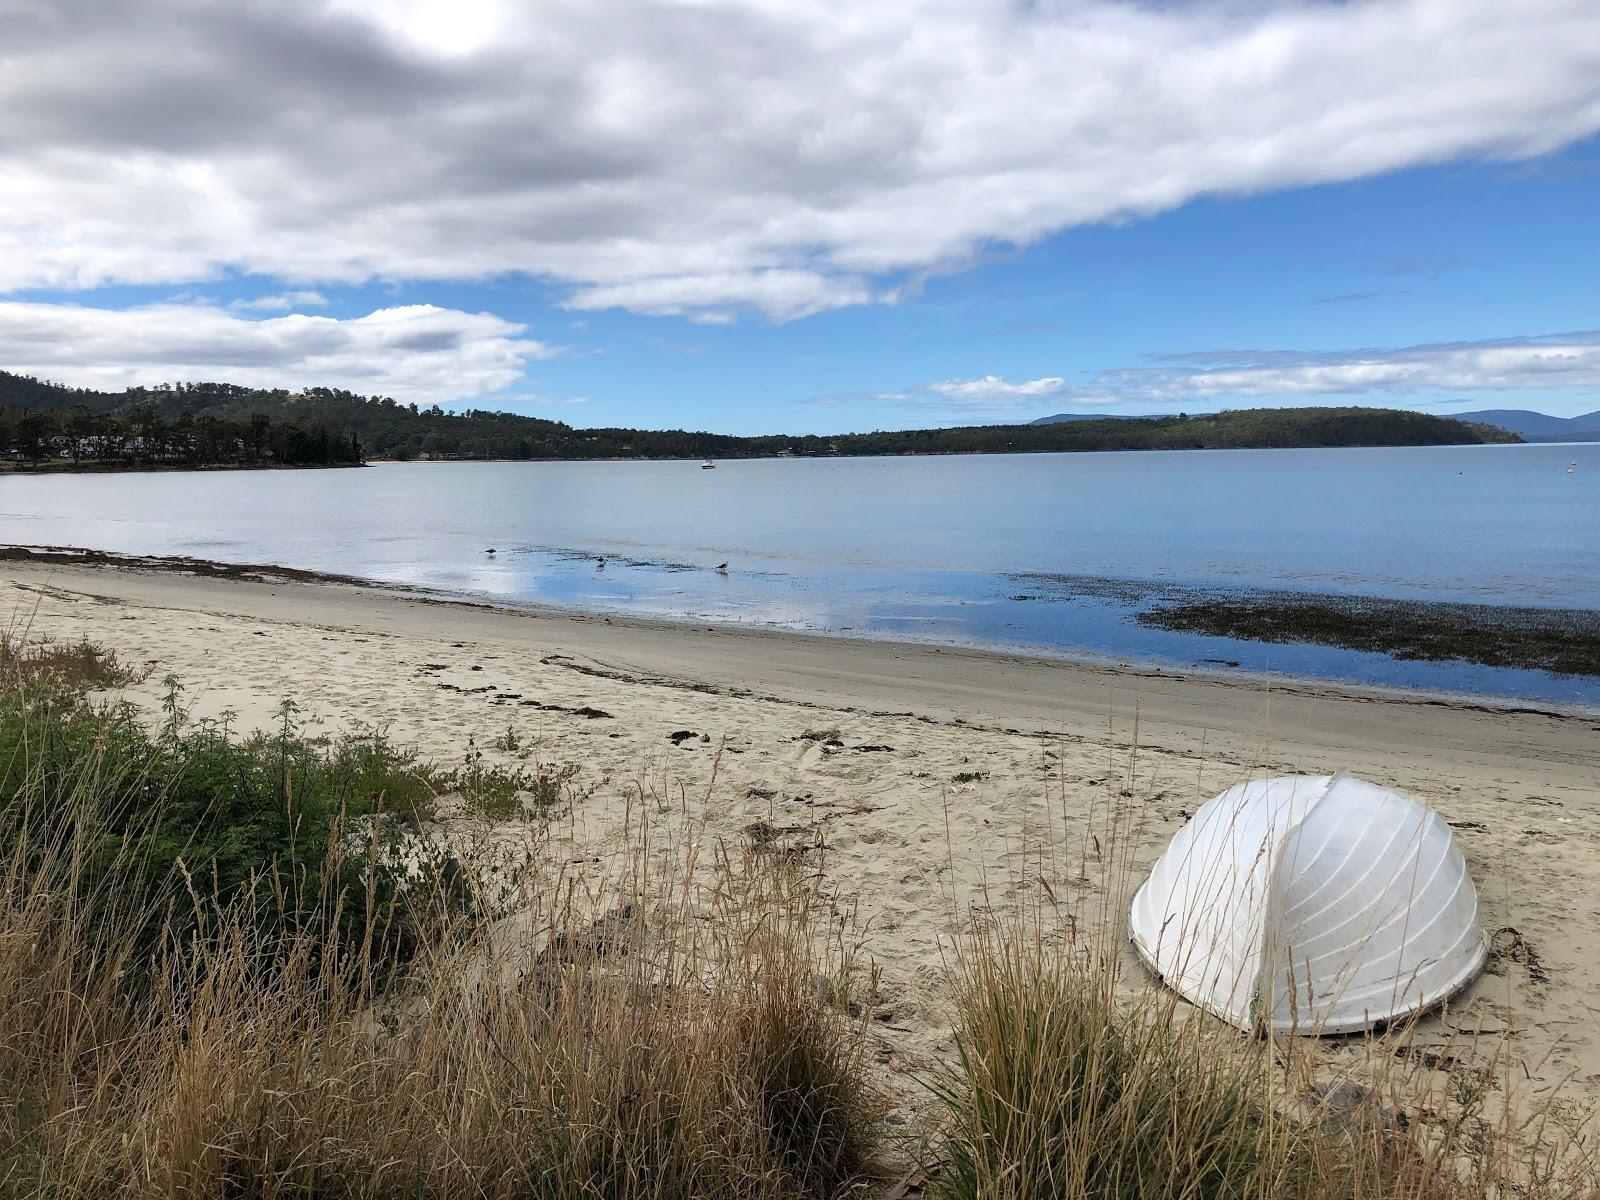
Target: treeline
pixel 138 437
pixel 380 427
pixel 1245 429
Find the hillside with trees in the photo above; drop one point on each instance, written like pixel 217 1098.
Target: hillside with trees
pixel 224 424
pixel 47 426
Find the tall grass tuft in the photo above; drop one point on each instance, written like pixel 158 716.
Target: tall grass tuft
pixel 1063 1090
pixel 648 1030
pixel 62 668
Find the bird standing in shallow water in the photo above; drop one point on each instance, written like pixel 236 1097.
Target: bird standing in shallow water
pixel 722 568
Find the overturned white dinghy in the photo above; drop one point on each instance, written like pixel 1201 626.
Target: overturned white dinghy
pixel 1311 904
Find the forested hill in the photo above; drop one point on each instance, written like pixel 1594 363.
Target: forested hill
pixel 46 426
pixel 382 428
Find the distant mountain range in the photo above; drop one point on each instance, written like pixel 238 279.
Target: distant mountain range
pixel 1537 426
pixel 1058 418
pixel 1530 426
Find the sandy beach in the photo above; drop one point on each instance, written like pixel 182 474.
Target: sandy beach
pixel 936 778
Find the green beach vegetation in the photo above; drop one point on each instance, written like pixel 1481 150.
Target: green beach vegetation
pixel 266 967
pixel 284 981
pixel 218 423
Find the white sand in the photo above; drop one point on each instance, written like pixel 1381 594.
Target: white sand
pixel 920 855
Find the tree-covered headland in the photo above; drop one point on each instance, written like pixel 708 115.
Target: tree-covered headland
pixel 219 424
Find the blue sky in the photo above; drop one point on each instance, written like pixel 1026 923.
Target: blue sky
pixel 808 225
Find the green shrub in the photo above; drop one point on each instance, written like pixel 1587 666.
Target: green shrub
pixel 191 821
pixel 608 1043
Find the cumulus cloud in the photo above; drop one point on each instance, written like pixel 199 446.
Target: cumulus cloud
pixel 992 387
pixel 671 157
pixel 414 353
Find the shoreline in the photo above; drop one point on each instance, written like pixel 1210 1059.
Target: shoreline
pixel 732 458
pixel 963 687
pixel 14 468
pixel 726 458
pixel 929 779
pixel 1088 662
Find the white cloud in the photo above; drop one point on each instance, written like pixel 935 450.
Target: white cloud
pixel 1211 379
pixel 413 353
pixel 672 157
pixel 1549 361
pixel 782 294
pixel 282 302
pixel 992 387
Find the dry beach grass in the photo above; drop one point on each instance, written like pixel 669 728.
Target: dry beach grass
pixel 644 1034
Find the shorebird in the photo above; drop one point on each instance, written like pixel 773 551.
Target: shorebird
pixel 600 563
pixel 490 550
pixel 723 567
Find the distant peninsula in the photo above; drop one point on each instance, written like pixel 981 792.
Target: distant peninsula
pixel 46 426
pixel 1528 425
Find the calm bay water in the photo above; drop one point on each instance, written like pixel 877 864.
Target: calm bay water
pixel 1047 552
